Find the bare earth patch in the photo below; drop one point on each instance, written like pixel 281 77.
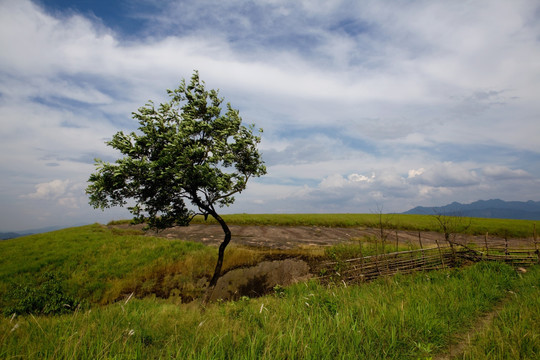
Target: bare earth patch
pixel 288 237
pixel 258 280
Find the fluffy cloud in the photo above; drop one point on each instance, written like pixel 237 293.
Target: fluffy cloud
pixel 415 172
pixel 397 191
pixel 498 172
pixel 447 174
pixel 361 102
pixel 62 192
pixel 49 190
pixel 338 181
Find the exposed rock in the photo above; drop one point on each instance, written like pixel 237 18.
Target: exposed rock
pixel 260 279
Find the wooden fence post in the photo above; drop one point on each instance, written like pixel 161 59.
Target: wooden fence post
pixel 422 249
pixel 506 247
pixel 536 242
pixel 440 252
pixel 377 256
pixel 383 245
pixel 486 242
pixel 361 261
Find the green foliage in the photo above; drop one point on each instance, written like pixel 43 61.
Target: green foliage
pixel 185 150
pixel 49 297
pixel 119 222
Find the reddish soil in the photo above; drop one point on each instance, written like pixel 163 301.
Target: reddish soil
pixel 287 237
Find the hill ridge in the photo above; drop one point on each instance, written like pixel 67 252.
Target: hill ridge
pixel 493 208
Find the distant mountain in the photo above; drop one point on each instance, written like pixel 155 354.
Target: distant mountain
pixel 9 235
pixel 13 234
pixel 526 210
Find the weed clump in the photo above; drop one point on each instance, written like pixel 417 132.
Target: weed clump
pixel 48 297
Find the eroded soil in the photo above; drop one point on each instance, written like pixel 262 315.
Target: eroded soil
pixel 288 237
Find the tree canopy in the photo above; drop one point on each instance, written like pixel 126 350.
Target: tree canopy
pixel 185 149
pixel 189 149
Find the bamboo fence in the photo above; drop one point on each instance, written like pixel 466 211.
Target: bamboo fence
pixel 425 259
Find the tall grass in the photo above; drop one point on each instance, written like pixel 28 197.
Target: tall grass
pixel 366 246
pixel 402 317
pixel 514 332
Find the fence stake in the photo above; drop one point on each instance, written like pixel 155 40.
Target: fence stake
pixel 536 242
pixel 383 241
pixel 422 248
pixel 361 260
pixel 506 246
pixel 440 252
pixel 377 256
pixel 486 242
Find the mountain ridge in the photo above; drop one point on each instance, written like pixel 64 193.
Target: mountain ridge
pixel 6 235
pixel 493 208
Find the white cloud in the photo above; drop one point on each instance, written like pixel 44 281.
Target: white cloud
pixel 49 190
pixel 333 181
pixel 70 202
pixel 448 174
pixel 338 181
pixel 498 172
pixel 414 173
pixel 63 193
pixel 361 178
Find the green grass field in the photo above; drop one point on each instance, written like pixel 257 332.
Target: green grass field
pixel 401 317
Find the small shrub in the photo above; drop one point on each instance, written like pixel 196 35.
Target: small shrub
pixel 46 298
pixel 344 251
pixel 118 231
pixel 120 222
pixel 279 291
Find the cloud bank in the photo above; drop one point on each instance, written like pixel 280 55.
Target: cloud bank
pixel 364 104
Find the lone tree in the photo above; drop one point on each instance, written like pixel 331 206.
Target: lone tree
pixel 186 149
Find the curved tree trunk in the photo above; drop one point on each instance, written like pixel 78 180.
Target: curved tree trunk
pixel 221 254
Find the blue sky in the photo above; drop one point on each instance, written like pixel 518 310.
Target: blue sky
pixel 365 105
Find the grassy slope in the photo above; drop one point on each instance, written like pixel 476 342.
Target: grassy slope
pixel 98 263
pixel 402 317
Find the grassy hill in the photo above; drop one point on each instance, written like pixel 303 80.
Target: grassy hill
pixel 405 316
pixel 100 265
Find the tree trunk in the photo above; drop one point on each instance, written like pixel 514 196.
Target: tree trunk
pixel 221 254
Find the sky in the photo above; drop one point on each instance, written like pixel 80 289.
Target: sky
pixel 366 106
